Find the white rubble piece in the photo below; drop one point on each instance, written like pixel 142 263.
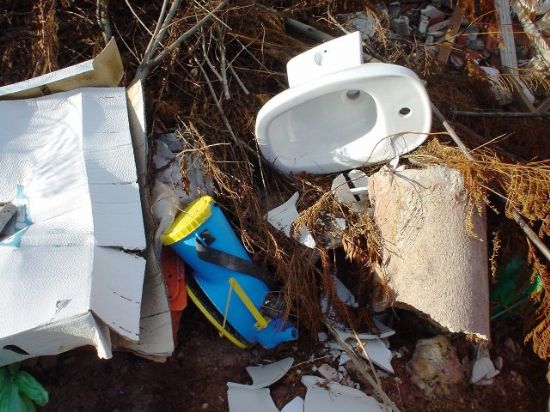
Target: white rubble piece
pixel 431 12
pixel 431 261
pixel 266 375
pixel 352 194
pixel 69 262
pixel 328 372
pixel 379 354
pixel 282 218
pixel 295 405
pixel 325 396
pixel 483 370
pixel 344 294
pixel 248 399
pixel 499 90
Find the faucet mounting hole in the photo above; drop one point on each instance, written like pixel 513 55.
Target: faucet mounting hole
pixel 404 111
pixel 353 94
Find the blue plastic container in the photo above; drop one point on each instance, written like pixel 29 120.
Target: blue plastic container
pixel 235 295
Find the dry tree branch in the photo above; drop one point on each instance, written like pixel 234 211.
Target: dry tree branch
pixel 102 16
pixel 149 59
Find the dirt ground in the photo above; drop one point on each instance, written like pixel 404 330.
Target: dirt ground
pixel 195 378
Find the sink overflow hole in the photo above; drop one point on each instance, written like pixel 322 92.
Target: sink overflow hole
pixel 353 94
pixel 404 111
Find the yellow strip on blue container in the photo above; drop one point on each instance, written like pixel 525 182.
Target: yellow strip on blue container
pixel 188 220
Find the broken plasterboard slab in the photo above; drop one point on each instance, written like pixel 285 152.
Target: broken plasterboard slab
pixel 432 263
pixel 62 178
pixel 104 70
pixel 325 396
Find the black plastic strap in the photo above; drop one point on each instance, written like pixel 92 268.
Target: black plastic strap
pixel 234 263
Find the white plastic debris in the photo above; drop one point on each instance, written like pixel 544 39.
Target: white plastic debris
pixel 295 405
pixel 482 370
pixel 248 399
pixel 283 216
pixel 324 396
pixel 322 336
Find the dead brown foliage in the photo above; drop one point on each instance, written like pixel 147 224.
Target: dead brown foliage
pixel 210 91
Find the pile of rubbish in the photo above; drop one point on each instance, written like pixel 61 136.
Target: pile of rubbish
pixel 287 177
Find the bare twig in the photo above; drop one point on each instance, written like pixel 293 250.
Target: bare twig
pixel 137 18
pixel 149 60
pixel 223 62
pixel 499 114
pixel 102 16
pixel 236 76
pixel 187 34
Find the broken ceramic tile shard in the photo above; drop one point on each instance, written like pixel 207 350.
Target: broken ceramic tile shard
pixel 283 216
pixel 423 220
pixel 249 399
pixel 325 396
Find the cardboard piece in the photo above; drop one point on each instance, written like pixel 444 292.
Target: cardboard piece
pixel 104 70
pixel 67 270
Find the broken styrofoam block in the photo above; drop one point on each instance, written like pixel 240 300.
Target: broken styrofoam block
pixel 431 262
pixel 325 396
pixel 283 216
pixel 295 405
pixel 483 369
pixel 249 399
pixel 379 354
